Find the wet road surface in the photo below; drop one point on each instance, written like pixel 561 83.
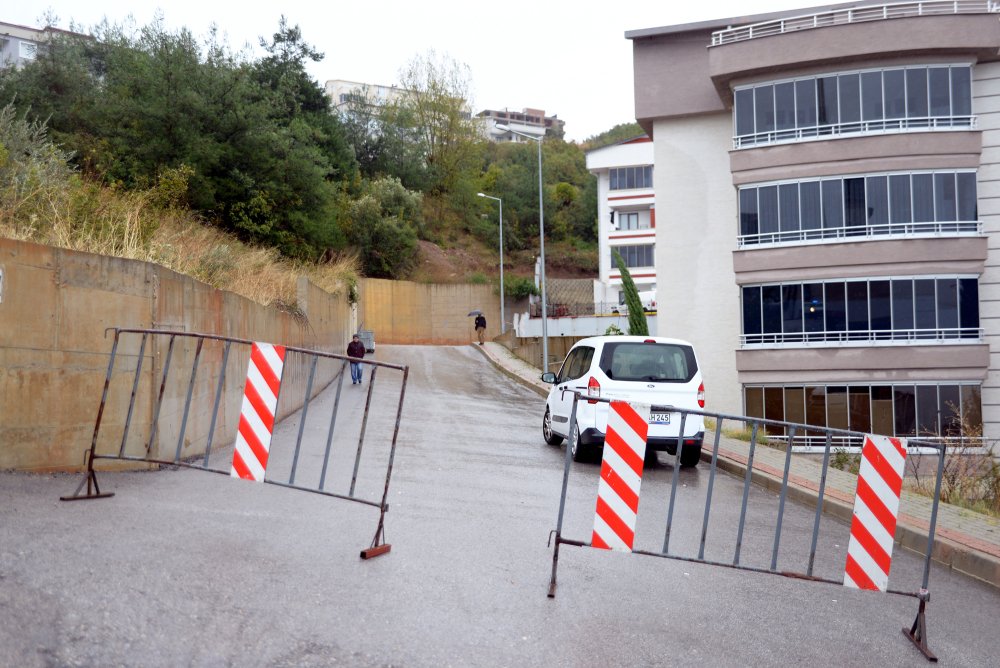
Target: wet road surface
pixel 186 568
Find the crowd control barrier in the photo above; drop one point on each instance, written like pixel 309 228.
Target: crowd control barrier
pixel 159 383
pixel 872 528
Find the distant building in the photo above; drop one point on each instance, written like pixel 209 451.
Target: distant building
pixel 626 216
pixel 340 92
pixel 20 45
pixel 531 122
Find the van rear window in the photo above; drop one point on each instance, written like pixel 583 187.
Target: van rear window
pixel 651 362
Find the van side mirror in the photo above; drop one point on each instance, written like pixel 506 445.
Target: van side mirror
pixel 548 377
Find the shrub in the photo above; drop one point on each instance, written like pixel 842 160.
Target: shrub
pixel 519 287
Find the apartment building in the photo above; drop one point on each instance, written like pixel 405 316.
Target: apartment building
pixel 342 92
pixel 20 45
pixel 532 122
pixel 829 204
pixel 626 218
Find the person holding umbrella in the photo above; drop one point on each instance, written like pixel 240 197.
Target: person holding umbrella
pixel 480 325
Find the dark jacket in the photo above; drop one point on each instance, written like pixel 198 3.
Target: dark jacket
pixel 356 349
pixel 480 322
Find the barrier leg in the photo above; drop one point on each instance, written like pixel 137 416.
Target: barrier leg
pixel 918 632
pixel 90 479
pixel 378 545
pixel 555 565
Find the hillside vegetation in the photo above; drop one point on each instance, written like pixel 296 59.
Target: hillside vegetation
pixel 147 143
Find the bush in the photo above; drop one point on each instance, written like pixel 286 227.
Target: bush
pixel 519 287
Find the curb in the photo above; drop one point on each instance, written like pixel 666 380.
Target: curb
pixel 510 374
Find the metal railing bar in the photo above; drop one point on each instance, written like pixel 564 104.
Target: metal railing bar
pixel 187 400
pixel 135 390
pixel 104 401
pixel 364 426
pixel 752 569
pixel 673 484
pixel 819 503
pixel 214 337
pixel 746 494
pixel 218 400
pixel 333 424
pixel 711 484
pixel 933 523
pixel 187 465
pixel 302 420
pixel 159 397
pixel 781 501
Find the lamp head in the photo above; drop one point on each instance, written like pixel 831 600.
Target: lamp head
pixel 480 194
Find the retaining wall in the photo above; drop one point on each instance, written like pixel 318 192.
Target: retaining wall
pixel 55 306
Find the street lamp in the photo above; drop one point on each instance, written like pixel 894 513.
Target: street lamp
pixel 503 317
pixel 541 243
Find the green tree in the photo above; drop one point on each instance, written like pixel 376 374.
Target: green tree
pixel 382 224
pixel 265 154
pixel 636 316
pixel 620 132
pixel 435 109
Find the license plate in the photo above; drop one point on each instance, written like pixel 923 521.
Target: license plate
pixel 659 418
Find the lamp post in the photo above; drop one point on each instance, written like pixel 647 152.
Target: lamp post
pixel 541 244
pixel 503 317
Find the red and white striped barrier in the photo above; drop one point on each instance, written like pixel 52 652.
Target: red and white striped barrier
pixel 876 506
pixel 260 400
pixel 621 475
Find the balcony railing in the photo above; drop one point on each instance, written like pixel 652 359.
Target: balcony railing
pixel 557 310
pixel 879 126
pixel 896 10
pixel 865 337
pixel 860 232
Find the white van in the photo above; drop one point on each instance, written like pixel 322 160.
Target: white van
pixel 653 370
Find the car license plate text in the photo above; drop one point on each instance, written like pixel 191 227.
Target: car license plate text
pixel 659 418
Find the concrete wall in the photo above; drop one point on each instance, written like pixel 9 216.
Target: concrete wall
pixel 419 313
pixel 696 222
pixel 986 106
pixel 55 306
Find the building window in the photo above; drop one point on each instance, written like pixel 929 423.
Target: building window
pixel 634 256
pixel 883 100
pixel 905 410
pixel 628 178
pixel 899 310
pixel 27 50
pixel 632 220
pixel 859 206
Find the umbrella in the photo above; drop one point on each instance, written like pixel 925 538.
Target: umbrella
pixel 475 312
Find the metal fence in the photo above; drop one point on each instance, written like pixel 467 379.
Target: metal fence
pixel 159 384
pixel 694 550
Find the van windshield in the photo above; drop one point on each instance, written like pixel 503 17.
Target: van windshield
pixel 651 362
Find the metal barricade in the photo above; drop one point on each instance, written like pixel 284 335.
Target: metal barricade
pixel 176 436
pixel 917 633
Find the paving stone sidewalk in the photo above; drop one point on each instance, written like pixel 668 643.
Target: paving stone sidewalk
pixel 965 541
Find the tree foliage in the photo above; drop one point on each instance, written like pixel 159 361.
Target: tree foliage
pixel 383 225
pixel 621 132
pixel 265 154
pixel 252 145
pixel 637 325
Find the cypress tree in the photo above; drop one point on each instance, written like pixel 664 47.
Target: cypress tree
pixel 636 316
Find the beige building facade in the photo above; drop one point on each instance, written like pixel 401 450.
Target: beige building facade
pixel 827 195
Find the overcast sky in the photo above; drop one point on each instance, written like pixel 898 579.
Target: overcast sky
pixel 567 57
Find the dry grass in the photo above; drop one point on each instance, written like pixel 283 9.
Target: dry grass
pixel 130 224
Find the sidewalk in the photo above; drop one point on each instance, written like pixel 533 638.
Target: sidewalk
pixel 965 541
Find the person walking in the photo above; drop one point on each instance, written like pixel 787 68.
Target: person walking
pixel 355 350
pixel 481 328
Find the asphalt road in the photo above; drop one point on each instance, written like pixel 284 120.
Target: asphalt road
pixel 188 568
